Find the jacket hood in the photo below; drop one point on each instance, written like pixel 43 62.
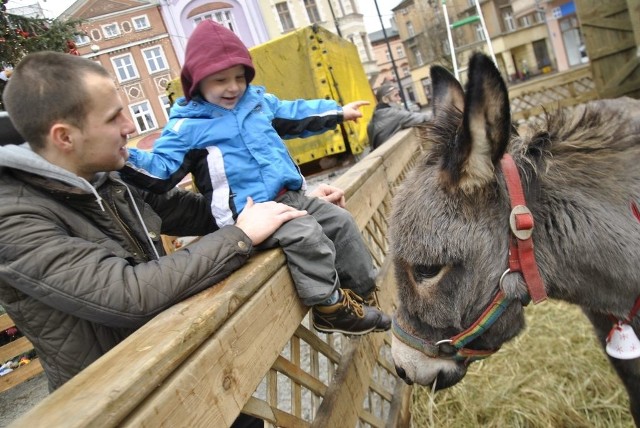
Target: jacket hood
pixel 210 49
pixel 22 158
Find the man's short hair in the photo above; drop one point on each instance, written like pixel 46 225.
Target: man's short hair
pixel 48 87
pixel 385 90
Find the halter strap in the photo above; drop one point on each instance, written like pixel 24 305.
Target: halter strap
pixel 490 315
pixel 521 255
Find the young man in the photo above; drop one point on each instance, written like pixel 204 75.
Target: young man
pixel 228 134
pixel 389 117
pixel 81 260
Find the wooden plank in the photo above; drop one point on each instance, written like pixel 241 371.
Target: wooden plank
pixel 15 348
pixel 210 388
pixel 21 374
pixel 351 380
pixel 300 376
pixel 5 322
pixel 634 16
pixel 366 200
pixel 261 409
pixel 104 393
pixel 400 409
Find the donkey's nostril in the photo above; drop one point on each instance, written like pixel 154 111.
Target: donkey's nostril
pixel 400 371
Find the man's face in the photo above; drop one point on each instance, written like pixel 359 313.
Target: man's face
pixel 224 88
pixel 100 145
pixel 394 97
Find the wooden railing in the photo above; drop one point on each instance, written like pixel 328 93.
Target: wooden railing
pixel 246 345
pixel 530 99
pixel 11 351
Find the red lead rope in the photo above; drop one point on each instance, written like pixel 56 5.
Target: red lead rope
pixel 521 255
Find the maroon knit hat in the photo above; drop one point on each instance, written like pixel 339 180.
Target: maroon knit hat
pixel 210 49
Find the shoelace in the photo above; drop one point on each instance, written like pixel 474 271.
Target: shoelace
pixel 350 301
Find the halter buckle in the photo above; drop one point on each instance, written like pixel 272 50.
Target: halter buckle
pixel 445 348
pixel 520 233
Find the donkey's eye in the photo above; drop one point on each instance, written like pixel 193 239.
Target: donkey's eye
pixel 421 272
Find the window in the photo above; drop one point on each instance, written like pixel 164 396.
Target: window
pixel 223 17
pixel 166 105
pixel 143 117
pixel 285 16
pixel 312 11
pixel 96 34
pixel 387 55
pixel 154 57
pixel 400 51
pixel 405 71
pixel 125 67
pixel 418 55
pixel 140 22
pixel 410 29
pixel 110 31
pixel 479 33
pixel 525 21
pixel 507 18
pixel 81 39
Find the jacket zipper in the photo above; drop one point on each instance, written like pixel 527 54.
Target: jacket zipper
pixel 136 243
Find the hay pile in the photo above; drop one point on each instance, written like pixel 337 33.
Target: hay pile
pixel 553 375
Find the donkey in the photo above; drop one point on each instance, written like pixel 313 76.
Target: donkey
pixel 489 220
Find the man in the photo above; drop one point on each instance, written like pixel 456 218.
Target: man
pixel 81 260
pixel 389 117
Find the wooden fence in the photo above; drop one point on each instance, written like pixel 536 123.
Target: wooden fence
pixel 530 99
pixel 246 345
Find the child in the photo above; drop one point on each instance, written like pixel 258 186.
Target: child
pixel 227 133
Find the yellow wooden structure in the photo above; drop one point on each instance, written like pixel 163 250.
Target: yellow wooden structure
pixel 313 63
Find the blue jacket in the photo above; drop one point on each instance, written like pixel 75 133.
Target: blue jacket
pixel 232 154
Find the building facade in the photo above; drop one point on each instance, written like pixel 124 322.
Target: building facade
pixel 130 40
pixel 528 37
pixel 243 17
pixel 388 51
pixel 342 17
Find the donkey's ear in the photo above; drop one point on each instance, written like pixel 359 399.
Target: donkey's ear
pixel 485 129
pixel 447 92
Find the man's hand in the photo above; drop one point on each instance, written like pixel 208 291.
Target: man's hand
pixel 351 111
pixel 259 221
pixel 330 194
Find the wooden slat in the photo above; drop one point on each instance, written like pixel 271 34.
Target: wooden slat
pixel 104 393
pixel 261 409
pixel 337 409
pixel 299 376
pixel 21 374
pixel 15 348
pixel 212 385
pixel 5 322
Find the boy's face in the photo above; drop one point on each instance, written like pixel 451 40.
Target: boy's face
pixel 224 88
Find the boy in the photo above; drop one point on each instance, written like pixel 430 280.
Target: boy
pixel 227 133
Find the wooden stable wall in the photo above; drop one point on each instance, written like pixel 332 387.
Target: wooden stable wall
pixel 611 31
pixel 246 345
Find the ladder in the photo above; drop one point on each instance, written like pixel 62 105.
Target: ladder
pixel 465 21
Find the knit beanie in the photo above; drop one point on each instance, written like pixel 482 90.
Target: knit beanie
pixel 211 49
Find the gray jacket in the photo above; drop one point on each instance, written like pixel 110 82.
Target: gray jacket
pixel 82 265
pixel 388 120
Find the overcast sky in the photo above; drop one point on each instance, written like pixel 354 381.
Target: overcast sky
pixel 53 8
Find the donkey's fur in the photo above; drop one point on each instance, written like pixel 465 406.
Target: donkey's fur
pixel 450 222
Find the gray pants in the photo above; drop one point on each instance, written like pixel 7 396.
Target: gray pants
pixel 324 250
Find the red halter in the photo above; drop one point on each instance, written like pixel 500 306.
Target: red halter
pixel 521 259
pixel 521 256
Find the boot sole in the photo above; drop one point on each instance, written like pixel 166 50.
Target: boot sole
pixel 345 332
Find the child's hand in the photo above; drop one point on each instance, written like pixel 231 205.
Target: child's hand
pixel 351 111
